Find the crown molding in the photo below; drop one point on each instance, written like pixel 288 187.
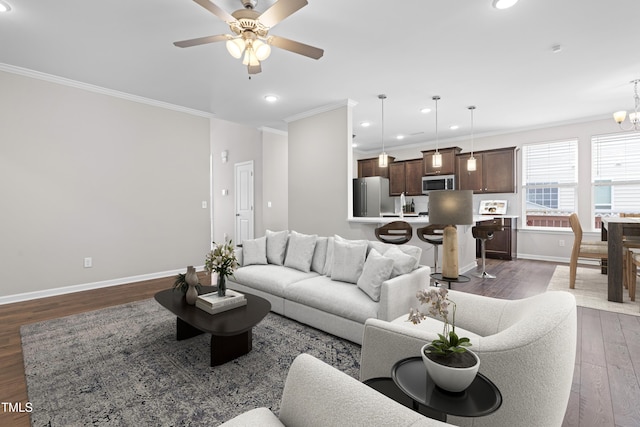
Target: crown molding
pixel 101 90
pixel 272 130
pixel 329 107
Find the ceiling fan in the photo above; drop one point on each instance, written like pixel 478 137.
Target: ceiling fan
pixel 250 38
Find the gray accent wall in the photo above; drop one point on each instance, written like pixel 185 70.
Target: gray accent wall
pixel 85 174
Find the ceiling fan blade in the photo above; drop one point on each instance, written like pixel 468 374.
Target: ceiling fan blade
pixel 279 11
pixel 254 69
pixel 296 47
pixel 202 40
pixel 225 16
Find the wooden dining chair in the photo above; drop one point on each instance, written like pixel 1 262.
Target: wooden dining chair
pixel 395 233
pixel 592 249
pixel 629 270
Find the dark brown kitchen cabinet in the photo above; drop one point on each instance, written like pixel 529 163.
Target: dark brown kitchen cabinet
pixel 504 244
pixel 405 177
pixel 448 161
pixel 495 171
pixel 369 167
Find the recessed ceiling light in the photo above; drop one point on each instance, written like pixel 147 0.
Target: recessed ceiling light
pixel 354 145
pixel 271 98
pixel 454 127
pixel 504 4
pixel 425 110
pixel 400 137
pixel 4 6
pixel 365 124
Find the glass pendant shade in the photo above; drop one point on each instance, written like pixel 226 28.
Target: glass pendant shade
pixel 634 117
pixel 471 164
pixel 619 116
pixel 383 160
pixel 250 58
pixel 261 49
pixel 235 47
pixel 436 161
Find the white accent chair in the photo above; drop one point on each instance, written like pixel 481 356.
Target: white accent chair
pixel 526 347
pixel 316 394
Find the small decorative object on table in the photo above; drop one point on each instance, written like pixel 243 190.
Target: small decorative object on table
pixel 188 284
pixel 449 363
pixel 222 260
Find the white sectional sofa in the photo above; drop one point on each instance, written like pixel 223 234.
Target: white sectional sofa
pixel 330 283
pixel 316 394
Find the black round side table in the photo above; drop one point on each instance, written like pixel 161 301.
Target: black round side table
pixel 481 398
pixel 438 277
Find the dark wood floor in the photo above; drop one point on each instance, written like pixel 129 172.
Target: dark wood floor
pixel 606 390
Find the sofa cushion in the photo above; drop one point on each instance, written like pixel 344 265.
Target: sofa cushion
pixel 300 252
pixel 377 268
pixel 328 263
pixel 338 298
pixel 254 251
pixel 269 278
pixel 276 246
pixel 402 263
pixel 348 260
pixel 414 251
pixel 319 255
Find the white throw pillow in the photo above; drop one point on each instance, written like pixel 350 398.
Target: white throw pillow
pixel 377 269
pixel 402 263
pixel 300 251
pixel 254 251
pixel 320 255
pixel 276 246
pixel 348 260
pixel 328 263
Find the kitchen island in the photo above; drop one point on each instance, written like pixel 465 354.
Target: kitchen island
pixel 466 243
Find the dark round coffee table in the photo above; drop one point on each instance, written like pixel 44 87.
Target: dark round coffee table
pixel 231 335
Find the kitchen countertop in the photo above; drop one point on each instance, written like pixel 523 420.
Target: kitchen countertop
pixel 415 219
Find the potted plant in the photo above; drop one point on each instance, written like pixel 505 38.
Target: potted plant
pixel 449 362
pixel 188 284
pixel 223 261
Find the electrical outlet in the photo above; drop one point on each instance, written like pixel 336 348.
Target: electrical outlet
pixel 88 262
pixel 561 243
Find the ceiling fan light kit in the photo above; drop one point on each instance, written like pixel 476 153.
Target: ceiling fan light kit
pixel 251 40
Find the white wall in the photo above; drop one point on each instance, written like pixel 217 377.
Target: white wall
pixel 84 174
pixel 275 193
pixel 243 144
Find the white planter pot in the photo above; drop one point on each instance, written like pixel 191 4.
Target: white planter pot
pixel 448 378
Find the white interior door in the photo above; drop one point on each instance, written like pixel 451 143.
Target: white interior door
pixel 244 201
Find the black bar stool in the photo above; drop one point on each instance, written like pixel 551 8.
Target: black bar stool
pixel 432 234
pixel 395 233
pixel 484 233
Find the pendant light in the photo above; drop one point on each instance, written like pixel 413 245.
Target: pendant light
pixel 437 157
pixel 383 159
pixel 471 161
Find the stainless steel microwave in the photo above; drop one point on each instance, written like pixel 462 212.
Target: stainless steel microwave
pixel 438 182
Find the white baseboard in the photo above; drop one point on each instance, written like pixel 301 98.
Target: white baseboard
pixel 88 286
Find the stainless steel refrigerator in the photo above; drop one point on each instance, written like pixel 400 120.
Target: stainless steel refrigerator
pixel 371 197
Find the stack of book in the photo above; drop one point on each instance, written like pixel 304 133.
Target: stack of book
pixel 212 303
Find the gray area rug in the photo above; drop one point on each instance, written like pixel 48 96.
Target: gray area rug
pixel 591 290
pixel 123 366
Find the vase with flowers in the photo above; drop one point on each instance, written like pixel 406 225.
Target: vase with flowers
pixel 223 261
pixel 450 364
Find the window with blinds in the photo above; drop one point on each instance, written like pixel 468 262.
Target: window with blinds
pixel 550 182
pixel 615 174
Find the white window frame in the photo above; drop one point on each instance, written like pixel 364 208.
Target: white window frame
pixel 563 185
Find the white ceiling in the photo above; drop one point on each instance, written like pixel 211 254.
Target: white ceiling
pixel 463 50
